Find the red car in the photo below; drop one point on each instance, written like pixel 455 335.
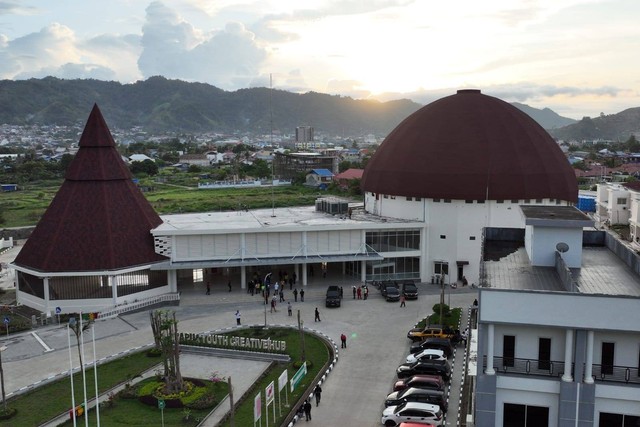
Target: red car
pixel 433 382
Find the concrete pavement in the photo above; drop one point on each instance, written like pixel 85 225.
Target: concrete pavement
pixel 353 393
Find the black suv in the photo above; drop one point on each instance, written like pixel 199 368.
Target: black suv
pixel 430 367
pixel 333 297
pixel 410 290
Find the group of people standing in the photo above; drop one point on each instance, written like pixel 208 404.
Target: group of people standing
pixel 360 292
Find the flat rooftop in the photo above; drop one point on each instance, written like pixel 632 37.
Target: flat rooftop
pixel 266 219
pixel 602 272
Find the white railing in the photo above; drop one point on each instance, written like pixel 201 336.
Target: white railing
pixel 137 305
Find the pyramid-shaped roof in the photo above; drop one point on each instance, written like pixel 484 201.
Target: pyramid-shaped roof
pixel 99 220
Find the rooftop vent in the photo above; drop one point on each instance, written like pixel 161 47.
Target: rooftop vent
pixel 332 205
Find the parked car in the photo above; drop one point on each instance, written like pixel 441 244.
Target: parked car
pixel 333 298
pixel 415 425
pixel 424 395
pixel 418 334
pixel 392 293
pixel 410 290
pixel 384 285
pixel 426 354
pixel 429 367
pixel 412 411
pixel 443 344
pixel 433 382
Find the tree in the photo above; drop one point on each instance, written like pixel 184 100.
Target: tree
pixel 165 335
pixel 147 166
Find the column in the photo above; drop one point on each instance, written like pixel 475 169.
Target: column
pixel 363 271
pixel 588 369
pixel 344 268
pixel 114 289
pixel 173 280
pixel 243 277
pixel 568 356
pixel 45 283
pixel 490 339
pixel 304 274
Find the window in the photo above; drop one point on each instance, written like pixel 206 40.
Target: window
pixel 608 350
pixel 441 267
pixel 447 200
pixel 618 420
pixel 443 236
pixel 385 196
pixel 516 201
pixel 393 197
pixel 409 199
pixel 418 199
pixel 480 201
pixel 508 350
pixel 527 201
pixel 621 201
pixel 525 416
pixel 544 354
pixel 499 201
pixel 468 201
pixel 436 200
pixel 538 200
pixel 472 237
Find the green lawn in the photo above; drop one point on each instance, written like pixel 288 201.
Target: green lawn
pixel 26 206
pixel 54 398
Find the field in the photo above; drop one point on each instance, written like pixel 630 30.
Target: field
pixel 26 206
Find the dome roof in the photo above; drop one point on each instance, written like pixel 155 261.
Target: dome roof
pixel 470 146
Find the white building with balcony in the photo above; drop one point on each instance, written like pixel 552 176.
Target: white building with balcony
pixel 558 342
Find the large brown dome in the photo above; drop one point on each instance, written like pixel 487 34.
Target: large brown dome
pixel 470 146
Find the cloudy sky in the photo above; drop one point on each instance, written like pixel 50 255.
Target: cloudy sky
pixel 577 57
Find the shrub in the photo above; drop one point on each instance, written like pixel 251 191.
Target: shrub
pixel 149 388
pixel 9 413
pixel 445 309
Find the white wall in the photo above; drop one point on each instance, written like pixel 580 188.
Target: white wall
pixel 527 391
pixel 527 339
pixel 542 247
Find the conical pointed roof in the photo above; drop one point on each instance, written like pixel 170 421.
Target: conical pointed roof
pixel 98 220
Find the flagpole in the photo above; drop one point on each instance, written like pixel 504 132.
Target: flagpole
pixel 95 375
pixel 73 396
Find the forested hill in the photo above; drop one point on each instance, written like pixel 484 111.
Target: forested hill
pixel 159 104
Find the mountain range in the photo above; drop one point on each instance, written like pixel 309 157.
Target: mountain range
pixel 159 104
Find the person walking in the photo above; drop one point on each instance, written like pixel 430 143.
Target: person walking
pixel 273 304
pixel 354 291
pixel 317 392
pixel 365 291
pixel 229 285
pixel 289 309
pixel 402 301
pixel 317 318
pixel 302 295
pixel 343 340
pixel 307 409
pixel 295 294
pixel 238 317
pixel 359 292
pixel 281 295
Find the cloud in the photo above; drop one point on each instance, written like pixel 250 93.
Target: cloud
pixel 350 88
pixel 15 8
pixel 55 51
pixel 229 58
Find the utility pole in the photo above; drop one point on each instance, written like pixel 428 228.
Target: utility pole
pixel 231 418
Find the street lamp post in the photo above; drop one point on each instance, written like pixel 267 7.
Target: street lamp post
pixel 4 399
pixel 72 322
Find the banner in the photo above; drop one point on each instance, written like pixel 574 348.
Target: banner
pixel 269 393
pixel 297 377
pixel 257 408
pixel 283 379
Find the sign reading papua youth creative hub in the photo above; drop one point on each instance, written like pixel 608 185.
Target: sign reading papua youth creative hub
pixel 230 341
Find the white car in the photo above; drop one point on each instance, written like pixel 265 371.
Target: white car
pixel 415 412
pixel 427 354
